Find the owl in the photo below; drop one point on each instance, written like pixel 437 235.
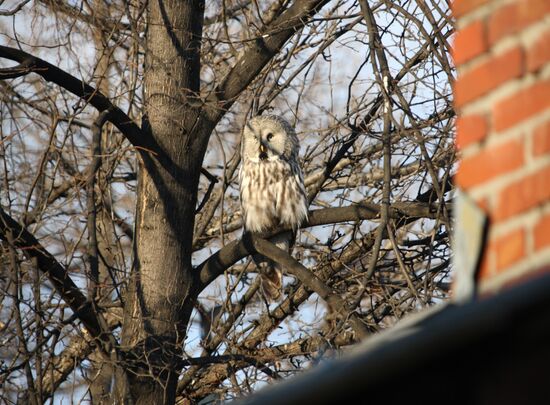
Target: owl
pixel 273 195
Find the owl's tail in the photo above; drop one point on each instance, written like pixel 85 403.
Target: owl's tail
pixel 272 280
pixel 271 273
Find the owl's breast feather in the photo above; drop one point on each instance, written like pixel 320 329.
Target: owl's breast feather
pixel 272 195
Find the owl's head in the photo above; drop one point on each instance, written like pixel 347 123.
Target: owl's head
pixel 268 138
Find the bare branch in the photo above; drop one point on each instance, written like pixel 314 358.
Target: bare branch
pixel 335 301
pixel 24 68
pixel 260 51
pixel 78 349
pixel 216 264
pixel 80 89
pixel 15 9
pixel 56 274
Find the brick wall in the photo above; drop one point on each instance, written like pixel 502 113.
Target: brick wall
pixel 502 97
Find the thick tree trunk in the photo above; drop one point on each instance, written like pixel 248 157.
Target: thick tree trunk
pixel 157 304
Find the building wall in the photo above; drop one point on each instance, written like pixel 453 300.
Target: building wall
pixel 502 97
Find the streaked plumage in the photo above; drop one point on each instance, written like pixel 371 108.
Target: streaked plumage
pixel 273 194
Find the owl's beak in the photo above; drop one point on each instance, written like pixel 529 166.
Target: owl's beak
pixel 263 152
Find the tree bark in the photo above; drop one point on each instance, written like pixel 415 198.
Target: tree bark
pixel 157 304
pixel 101 371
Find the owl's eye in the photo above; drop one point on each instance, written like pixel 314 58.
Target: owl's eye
pixel 269 136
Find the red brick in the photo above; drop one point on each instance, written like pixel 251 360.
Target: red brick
pixel 470 129
pixel 469 43
pixel 486 269
pixel 541 233
pixel 538 54
pixel 509 249
pixel 524 194
pixel 501 253
pixel 490 163
pixel 541 139
pixel 522 105
pixel 532 10
pixel 461 7
pixel 515 16
pixel 504 21
pixel 488 76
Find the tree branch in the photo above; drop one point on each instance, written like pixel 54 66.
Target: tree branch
pixel 24 68
pixel 75 352
pixel 260 51
pixel 80 89
pixel 93 250
pixel 383 76
pixel 224 258
pixel 57 274
pixel 301 347
pixel 363 126
pixel 15 9
pixel 309 279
